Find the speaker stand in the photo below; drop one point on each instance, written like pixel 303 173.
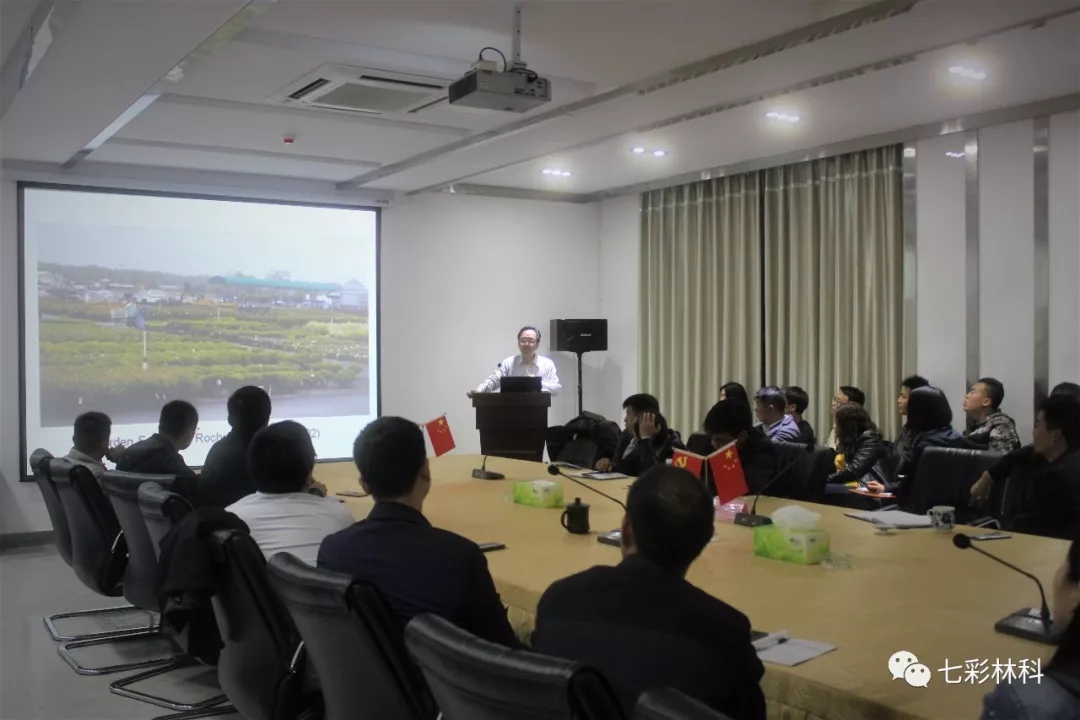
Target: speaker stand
pixel 580 405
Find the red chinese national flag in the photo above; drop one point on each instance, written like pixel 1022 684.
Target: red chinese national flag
pixel 688 461
pixel 442 441
pixel 727 472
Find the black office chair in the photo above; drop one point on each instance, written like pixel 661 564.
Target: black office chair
pixel 670 704
pixel 99 557
pixel 140 576
pixel 355 642
pixel 161 510
pixel 40 462
pixel 263 667
pixel 944 476
pixel 473 679
pixel 792 475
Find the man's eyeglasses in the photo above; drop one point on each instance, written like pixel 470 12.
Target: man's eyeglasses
pixel 528 341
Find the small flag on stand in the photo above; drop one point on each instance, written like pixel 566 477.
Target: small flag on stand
pixel 726 469
pixel 686 460
pixel 442 441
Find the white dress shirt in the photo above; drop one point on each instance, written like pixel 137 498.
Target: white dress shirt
pixel 515 366
pixel 291 522
pixel 95 466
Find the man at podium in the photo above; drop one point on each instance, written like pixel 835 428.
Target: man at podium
pixel 526 364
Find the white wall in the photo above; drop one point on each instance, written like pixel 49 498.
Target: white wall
pixel 1006 212
pixel 620 254
pixel 1064 184
pixel 460 275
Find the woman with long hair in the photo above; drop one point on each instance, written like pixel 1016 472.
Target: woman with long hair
pixel 929 420
pixel 1057 696
pixel 734 391
pixel 860 446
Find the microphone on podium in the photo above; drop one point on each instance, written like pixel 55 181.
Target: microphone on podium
pixel 752 519
pixel 613 537
pixel 1025 622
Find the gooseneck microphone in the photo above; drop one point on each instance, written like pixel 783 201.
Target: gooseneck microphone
pixel 752 519
pixel 963 542
pixel 482 473
pixel 556 470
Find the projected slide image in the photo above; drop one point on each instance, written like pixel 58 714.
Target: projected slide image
pixel 132 300
pixel 124 341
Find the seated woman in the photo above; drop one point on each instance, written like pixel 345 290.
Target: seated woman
pixel 734 391
pixel 732 421
pixel 1057 695
pixel 929 421
pixel 861 448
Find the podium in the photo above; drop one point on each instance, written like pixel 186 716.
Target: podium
pixel 512 425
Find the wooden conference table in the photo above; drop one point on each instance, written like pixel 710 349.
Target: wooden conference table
pixel 910 590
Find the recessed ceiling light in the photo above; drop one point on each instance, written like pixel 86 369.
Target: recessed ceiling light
pixel 909 152
pixel 953 154
pixel 556 172
pixel 637 150
pixel 566 173
pixel 548 171
pixel 783 117
pixel 659 153
pixel 967 72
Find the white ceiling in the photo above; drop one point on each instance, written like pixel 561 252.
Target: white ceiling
pixel 112 60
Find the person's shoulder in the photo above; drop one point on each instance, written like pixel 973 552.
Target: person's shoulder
pixel 451 541
pixel 582 583
pixel 1046 700
pixel 723 617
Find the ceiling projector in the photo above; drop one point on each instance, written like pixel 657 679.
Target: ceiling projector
pixel 515 90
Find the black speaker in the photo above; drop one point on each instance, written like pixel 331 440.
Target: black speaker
pixel 578 336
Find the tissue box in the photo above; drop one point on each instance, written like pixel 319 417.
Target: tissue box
pixel 538 493
pixel 805 547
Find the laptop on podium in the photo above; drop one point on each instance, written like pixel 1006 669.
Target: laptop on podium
pixel 520 384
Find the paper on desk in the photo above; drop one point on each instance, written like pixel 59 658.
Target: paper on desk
pixel 896 518
pixel 793 652
pixel 604 476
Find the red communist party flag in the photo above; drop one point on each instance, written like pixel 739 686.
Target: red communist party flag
pixel 727 472
pixel 688 461
pixel 442 441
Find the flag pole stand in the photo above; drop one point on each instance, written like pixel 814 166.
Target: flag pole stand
pixel 580 404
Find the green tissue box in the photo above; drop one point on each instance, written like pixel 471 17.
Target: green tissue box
pixel 805 547
pixel 538 493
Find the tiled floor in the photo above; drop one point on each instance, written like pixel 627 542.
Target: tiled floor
pixel 36 683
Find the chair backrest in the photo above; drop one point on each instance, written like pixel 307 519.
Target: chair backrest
pixel 944 476
pixel 473 679
pixel 161 509
pixel 819 464
pixel 670 704
pixel 355 642
pixel 122 489
pixel 262 667
pixel 40 461
pixel 98 549
pixel 791 482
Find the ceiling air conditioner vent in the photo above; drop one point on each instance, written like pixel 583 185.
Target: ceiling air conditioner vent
pixel 362 90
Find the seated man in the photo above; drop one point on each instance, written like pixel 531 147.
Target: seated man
pixel 845 394
pixel 641 623
pixel 646 438
pixel 420 569
pixel 797 402
pixel 91 443
pixel 159 454
pixel 1000 472
pixel 282 514
pixel 769 407
pixel 730 421
pixel 1046 484
pixel 993 430
pixel 225 477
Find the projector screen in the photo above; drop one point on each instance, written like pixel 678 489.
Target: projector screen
pixel 132 300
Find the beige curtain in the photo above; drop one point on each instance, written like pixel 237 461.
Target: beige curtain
pixel 833 281
pixel 700 311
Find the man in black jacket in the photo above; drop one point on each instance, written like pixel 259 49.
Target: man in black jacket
pixel 225 476
pixel 419 568
pixel 159 454
pixel 646 440
pixel 641 623
pixel 731 421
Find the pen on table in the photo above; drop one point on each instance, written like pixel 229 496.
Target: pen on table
pixel 771 640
